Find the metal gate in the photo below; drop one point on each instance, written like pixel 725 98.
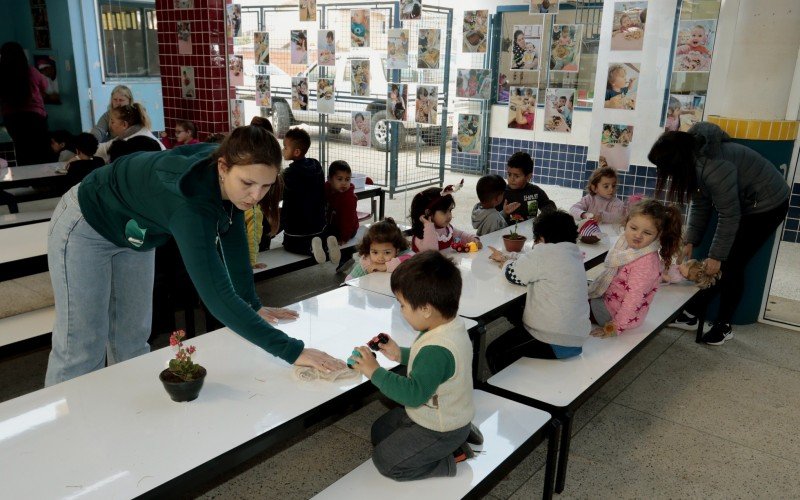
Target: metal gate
pixel 403 155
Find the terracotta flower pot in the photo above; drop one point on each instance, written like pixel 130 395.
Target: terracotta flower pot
pixel 513 244
pixel 181 390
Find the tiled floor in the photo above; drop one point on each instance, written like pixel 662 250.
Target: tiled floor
pixel 679 420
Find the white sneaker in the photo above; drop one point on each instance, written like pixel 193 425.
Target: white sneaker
pixel 317 250
pixel 334 251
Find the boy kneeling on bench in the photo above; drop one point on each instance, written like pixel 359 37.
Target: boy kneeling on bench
pixel 428 436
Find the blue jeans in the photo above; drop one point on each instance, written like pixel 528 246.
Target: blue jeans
pixel 103 295
pixel 404 450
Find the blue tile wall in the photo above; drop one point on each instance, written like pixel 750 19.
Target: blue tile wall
pixel 791 229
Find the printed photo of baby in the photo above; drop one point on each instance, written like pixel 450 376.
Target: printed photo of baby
pixel 300 93
pixel 526 48
pixel 683 111
pixel 263 93
pixel 397 49
pixel 237 113
pixel 233 20
pixel 428 48
pixel 261 48
pixel 410 10
pixel 326 47
pixel 187 82
pixel 359 28
pixel 360 125
pixel 359 77
pixel 522 107
pixel 308 10
pixel 474 83
pixel 695 44
pixel 236 70
pixel 427 104
pixel 565 48
pixel 184 38
pixel 469 136
pixel 396 101
pixel 299 47
pixel 629 20
pixel 621 86
pixel 558 105
pixel 543 7
pixel 615 146
pixel 325 95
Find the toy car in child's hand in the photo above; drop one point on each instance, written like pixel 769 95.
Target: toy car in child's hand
pixel 357 354
pixel 375 343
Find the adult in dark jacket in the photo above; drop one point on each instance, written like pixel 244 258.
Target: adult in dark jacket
pixel 751 196
pixel 100 250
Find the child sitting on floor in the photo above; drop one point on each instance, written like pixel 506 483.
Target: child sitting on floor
pixel 600 202
pixel 341 201
pixel 382 249
pixel 621 296
pixel 84 161
pixel 428 435
pixel 303 211
pixel 523 198
pixel 185 133
pixel 485 218
pixel 61 142
pixel 555 321
pixel 431 213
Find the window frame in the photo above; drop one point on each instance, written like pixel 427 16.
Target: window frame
pixel 143 7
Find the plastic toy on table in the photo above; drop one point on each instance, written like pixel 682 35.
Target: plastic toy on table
pixel 458 246
pixel 375 343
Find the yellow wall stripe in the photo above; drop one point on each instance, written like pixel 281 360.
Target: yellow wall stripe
pixel 760 130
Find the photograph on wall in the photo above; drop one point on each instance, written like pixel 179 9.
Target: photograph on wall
pixel 361 128
pixel 299 47
pixel 233 20
pixel 184 4
pixel 503 88
pixel 429 48
pixel 397 102
pixel 683 111
pixel 236 71
pixel 558 105
pixel 522 107
pixel 187 82
pixel 695 45
pixel 359 77
pixel 628 30
pixel 469 136
pixel 237 113
pixel 543 7
pixel 326 48
pixel 527 47
pixel 46 65
pixel 474 83
pixel 427 104
pixel 261 48
pixel 41 24
pixel 410 10
pixel 359 28
pixel 615 150
pixel 217 59
pixel 300 93
pixel 263 92
pixel 308 10
pixel 475 30
pixel 325 96
pixel 621 85
pixel 397 49
pixel 565 48
pixel 184 37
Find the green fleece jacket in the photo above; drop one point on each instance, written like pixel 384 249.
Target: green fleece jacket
pixel 143 199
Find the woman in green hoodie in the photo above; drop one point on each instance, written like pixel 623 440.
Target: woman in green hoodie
pixel 104 230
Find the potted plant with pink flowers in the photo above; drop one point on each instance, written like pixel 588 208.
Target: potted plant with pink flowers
pixel 513 241
pixel 184 378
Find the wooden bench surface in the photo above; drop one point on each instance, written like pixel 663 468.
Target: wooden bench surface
pixel 23 242
pixel 506 426
pixel 560 382
pixel 27 325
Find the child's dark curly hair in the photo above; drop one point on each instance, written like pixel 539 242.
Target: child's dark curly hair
pixel 428 202
pixel 385 231
pixel 555 226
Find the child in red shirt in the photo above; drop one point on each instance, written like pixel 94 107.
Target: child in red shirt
pixel 342 221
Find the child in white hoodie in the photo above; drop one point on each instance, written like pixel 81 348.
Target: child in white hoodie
pixel 554 322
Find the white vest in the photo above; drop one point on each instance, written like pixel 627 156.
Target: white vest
pixel 450 407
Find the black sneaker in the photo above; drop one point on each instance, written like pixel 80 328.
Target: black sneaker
pixel 685 321
pixel 719 334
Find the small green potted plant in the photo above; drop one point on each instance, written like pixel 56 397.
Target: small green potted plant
pixel 513 241
pixel 184 378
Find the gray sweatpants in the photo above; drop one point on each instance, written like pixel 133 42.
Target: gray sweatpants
pixel 404 450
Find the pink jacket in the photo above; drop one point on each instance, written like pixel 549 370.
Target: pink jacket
pixel 611 210
pixel 431 238
pixel 630 293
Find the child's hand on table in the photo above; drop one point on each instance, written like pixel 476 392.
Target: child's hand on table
pixel 497 255
pixel 366 364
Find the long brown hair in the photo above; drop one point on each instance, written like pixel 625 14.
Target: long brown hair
pixel 668 222
pixel 675 157
pixel 250 145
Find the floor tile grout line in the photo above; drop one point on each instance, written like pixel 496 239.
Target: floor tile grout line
pixel 728 440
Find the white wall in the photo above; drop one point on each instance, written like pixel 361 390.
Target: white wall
pixel 581 121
